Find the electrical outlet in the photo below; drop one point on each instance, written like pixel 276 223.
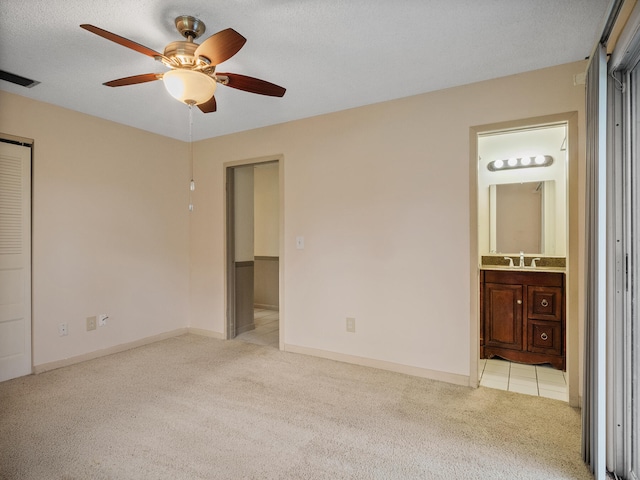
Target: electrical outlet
pixel 91 323
pixel 351 324
pixel 63 329
pixel 102 320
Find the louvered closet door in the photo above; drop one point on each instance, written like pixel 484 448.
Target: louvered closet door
pixel 15 261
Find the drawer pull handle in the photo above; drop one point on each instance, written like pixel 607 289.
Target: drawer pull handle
pixel 544 302
pixel 544 336
pixel 519 302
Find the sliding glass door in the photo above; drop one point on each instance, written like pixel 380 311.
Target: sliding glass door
pixel 632 210
pixel 623 332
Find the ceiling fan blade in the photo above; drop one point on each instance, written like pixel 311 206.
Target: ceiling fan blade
pixel 221 46
pixel 208 106
pixel 145 77
pixel 253 85
pixel 125 42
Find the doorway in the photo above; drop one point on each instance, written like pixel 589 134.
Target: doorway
pixel 253 252
pixel 556 235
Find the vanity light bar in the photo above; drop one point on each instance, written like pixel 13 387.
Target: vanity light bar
pixel 523 162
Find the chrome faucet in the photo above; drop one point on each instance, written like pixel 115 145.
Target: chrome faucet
pixel 521 259
pixel 533 262
pixel 510 261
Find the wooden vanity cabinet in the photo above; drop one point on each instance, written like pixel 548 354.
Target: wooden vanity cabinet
pixel 523 316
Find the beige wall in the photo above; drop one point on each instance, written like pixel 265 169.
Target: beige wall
pixel 110 229
pixel 381 195
pixel 243 213
pixel 267 210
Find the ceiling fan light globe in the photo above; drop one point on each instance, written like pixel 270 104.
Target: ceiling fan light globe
pixel 187 86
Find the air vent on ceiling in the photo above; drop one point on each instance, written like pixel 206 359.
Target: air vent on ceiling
pixel 17 79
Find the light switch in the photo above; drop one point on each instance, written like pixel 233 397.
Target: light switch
pixel 300 243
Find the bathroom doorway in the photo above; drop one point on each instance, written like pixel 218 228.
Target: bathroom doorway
pixel 253 252
pixel 540 153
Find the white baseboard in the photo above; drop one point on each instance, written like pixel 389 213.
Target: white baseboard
pixel 206 333
pixel 107 351
pixel 381 364
pixel 340 357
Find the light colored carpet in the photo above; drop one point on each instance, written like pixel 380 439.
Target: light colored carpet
pixel 198 408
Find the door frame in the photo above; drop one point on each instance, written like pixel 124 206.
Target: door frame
pixel 230 254
pixel 575 254
pixel 229 242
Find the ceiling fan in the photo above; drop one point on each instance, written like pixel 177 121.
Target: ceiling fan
pixel 193 78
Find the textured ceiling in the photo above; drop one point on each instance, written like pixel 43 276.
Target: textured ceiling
pixel 330 55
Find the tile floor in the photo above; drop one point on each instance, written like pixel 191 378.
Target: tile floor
pixel 267 331
pixel 542 381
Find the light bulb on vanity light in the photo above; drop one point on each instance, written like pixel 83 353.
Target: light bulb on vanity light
pixel 192 185
pixel 520 162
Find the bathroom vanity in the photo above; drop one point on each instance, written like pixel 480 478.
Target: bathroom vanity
pixel 523 315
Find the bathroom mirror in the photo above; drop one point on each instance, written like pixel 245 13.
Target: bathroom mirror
pixel 523 217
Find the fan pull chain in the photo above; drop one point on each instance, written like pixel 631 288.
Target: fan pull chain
pixel 192 184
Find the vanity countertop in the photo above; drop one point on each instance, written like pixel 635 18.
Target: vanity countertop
pixel 543 263
pixel 522 269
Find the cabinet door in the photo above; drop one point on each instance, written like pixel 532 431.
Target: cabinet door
pixel 503 316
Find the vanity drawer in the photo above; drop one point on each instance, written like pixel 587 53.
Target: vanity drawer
pixel 544 303
pixel 544 337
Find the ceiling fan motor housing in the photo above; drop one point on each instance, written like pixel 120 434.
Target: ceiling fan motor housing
pixel 182 52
